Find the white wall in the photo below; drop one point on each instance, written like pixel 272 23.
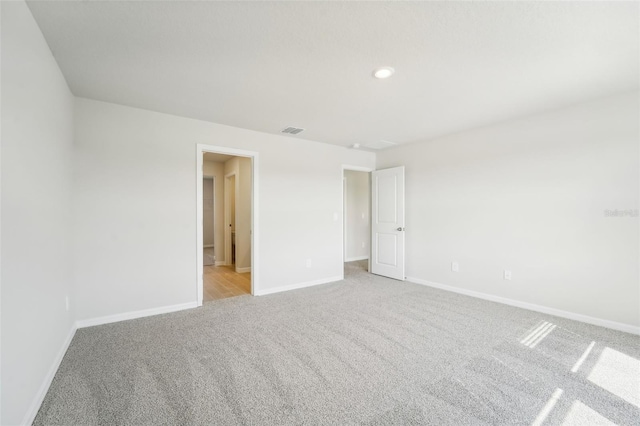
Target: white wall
pixel 133 164
pixel 529 196
pixel 358 232
pixel 216 169
pixel 36 275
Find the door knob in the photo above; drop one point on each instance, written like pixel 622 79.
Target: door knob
pixel 400 229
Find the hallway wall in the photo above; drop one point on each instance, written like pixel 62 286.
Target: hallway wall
pixel 208 210
pixel 216 169
pixel 358 208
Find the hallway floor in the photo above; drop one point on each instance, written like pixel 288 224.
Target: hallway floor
pixel 221 282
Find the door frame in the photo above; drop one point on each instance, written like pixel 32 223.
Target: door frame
pixel 344 206
pixel 255 264
pixel 227 213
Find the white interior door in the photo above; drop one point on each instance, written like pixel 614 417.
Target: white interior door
pixel 387 227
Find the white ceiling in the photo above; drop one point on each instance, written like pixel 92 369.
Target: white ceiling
pixel 268 65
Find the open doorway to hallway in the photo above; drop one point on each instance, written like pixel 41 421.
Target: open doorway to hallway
pixel 356 218
pixel 226 226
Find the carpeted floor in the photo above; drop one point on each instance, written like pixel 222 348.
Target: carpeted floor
pixel 366 350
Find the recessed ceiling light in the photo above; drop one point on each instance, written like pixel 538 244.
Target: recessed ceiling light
pixel 383 72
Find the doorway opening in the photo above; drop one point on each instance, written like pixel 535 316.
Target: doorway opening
pixel 356 216
pixel 226 237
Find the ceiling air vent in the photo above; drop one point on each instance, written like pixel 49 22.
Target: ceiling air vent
pixel 292 130
pixel 378 144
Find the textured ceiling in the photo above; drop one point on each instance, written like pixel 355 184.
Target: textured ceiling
pixel 268 65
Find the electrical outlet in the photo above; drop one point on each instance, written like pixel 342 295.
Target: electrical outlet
pixel 363 244
pixel 455 267
pixel 507 274
pixel 67 304
pixel 308 263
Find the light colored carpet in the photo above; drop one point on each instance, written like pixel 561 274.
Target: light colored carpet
pixel 366 350
pixel 209 257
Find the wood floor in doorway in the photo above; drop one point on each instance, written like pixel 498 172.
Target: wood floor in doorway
pixel 221 282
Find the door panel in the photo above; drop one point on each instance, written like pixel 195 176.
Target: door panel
pixel 386 190
pixel 387 253
pixel 387 242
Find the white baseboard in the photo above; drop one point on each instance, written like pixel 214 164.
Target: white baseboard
pixel 243 270
pixel 135 314
pixel 220 263
pixel 44 387
pixel 298 286
pixel 627 328
pixel 353 259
